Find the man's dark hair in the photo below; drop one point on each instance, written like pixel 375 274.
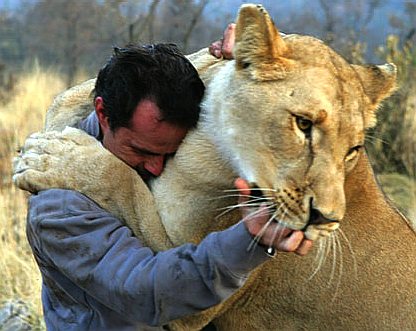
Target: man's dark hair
pixel 160 73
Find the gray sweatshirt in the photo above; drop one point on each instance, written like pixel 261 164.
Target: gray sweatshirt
pixel 97 276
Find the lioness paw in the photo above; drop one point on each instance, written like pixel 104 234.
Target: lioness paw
pixel 77 136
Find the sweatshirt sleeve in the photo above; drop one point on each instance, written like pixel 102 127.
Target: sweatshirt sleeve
pixel 100 255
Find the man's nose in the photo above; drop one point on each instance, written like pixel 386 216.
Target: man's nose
pixel 155 165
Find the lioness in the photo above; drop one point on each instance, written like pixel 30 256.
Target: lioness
pixel 292 123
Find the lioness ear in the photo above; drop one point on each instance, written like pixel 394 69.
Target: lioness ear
pixel 259 47
pixel 379 82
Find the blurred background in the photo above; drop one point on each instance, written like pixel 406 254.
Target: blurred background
pixel 47 46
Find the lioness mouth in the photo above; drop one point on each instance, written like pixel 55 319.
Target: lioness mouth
pixel 317 218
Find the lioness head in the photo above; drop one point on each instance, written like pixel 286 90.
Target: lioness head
pixel 302 111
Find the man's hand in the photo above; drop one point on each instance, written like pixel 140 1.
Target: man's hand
pixel 272 234
pixel 224 47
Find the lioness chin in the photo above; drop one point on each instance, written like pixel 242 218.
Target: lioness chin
pixel 289 115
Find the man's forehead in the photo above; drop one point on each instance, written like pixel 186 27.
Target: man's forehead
pixel 147 113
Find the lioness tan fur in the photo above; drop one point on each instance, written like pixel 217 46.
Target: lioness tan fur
pixel 255 125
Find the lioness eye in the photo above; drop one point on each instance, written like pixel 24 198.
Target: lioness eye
pixel 304 125
pixel 352 153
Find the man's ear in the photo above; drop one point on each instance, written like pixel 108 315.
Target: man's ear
pixel 102 118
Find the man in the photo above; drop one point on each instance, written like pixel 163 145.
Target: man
pixel 96 275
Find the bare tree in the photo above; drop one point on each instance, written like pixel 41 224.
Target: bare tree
pixel 330 21
pixel 345 25
pixel 72 16
pixel 71 34
pixel 195 19
pixel 144 23
pixel 57 31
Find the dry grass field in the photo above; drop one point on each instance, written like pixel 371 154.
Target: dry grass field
pixel 23 115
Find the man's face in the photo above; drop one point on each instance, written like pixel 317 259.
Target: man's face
pixel 146 143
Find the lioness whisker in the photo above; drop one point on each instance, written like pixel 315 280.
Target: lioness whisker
pixel 275 230
pixel 320 257
pixel 374 139
pixel 246 204
pixel 350 249
pixel 243 204
pixel 334 259
pixel 273 217
pixel 256 239
pixel 251 197
pixel 251 189
pixel 321 243
pixel 328 249
pixel 339 246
